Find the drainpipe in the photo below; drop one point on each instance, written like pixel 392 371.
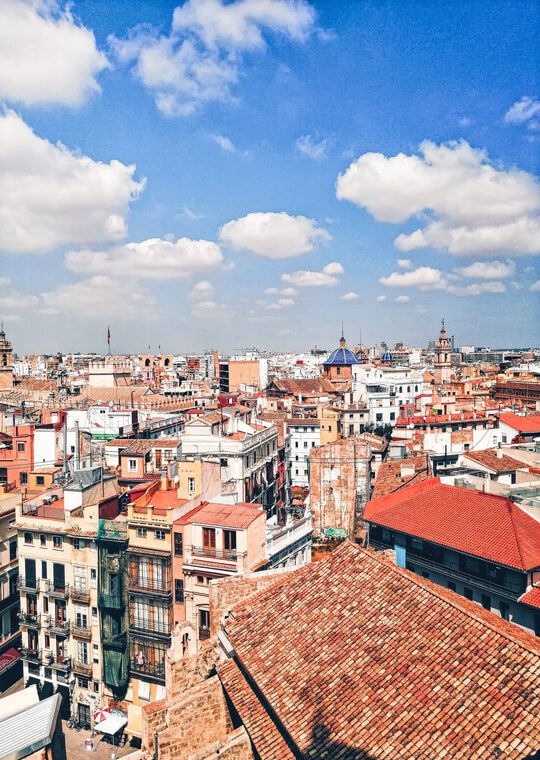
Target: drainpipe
pixel 77 447
pixel 156 751
pixel 65 468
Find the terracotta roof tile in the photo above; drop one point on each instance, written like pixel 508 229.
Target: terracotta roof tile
pixel 361 659
pixel 529 424
pixel 531 597
pixel 390 477
pixel 489 458
pixel 482 524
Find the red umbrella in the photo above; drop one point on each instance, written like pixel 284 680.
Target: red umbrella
pixel 101 713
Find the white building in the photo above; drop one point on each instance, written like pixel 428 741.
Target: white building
pixel 305 435
pixel 385 389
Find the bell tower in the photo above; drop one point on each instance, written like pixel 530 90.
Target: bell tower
pixel 443 365
pixel 6 366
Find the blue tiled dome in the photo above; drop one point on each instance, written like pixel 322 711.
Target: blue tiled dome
pixel 387 357
pixel 341 356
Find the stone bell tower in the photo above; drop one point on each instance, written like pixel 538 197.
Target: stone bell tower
pixel 443 364
pixel 6 367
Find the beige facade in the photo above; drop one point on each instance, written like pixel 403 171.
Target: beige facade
pixel 58 605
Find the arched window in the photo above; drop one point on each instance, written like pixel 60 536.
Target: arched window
pixel 147 363
pixel 166 362
pixel 4 360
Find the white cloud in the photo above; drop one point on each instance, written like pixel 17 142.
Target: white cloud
pixel 421 310
pixel 477 288
pixel 535 287
pixel 52 196
pixel 402 299
pixel 45 57
pixel 202 57
pixel 101 296
pixel 224 143
pixel 202 291
pixel 381 298
pixel 288 292
pixel 425 278
pixel 523 110
pixel 153 259
pixel 281 303
pixel 313 147
pixel 488 270
pixel 465 121
pixel 275 235
pixel 475 208
pixel 326 278
pixel 350 296
pixel 186 211
pixel 404 263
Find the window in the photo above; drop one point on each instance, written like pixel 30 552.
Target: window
pixel 296 444
pixel 132 465
pixel 93 547
pixel 486 602
pixel 12 550
pixel 296 471
pixel 44 569
pixel 28 538
pixel 42 540
pixel 296 458
pixel 144 690
pixel 200 580
pixel 23 477
pixel 94 616
pixel 20 446
pixel 392 416
pixel 223 462
pixel 141 532
pixel 96 687
pixel 305 444
pixel 40 480
pixel 451 585
pixel 468 593
pixel 178 545
pixel 418 544
pixel 47 641
pixel 191 485
pixel 78 544
pixel 82 652
pixel 179 591
pixel 378 417
pixel 82 683
pixel 93 577
pixel 160 534
pixel 95 653
pixel 312 444
pixel 58 542
pixel 425 574
pixel 209 538
pixel 503 607
pixel 229 540
pixel 537 625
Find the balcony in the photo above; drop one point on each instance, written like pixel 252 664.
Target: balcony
pixel 82 669
pixel 62 664
pixel 152 669
pixel 148 626
pixel 148 586
pixel 56 590
pixel 82 632
pixel 31 655
pixel 80 595
pixel 204 551
pixel 59 627
pixel 9 601
pixel 30 585
pixel 204 633
pixel 30 621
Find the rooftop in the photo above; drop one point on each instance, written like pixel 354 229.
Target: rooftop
pixel 224 515
pixel 490 458
pixel 393 474
pixel 530 424
pixel 484 525
pixel 359 658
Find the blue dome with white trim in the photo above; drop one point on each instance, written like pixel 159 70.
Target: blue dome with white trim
pixel 387 357
pixel 341 356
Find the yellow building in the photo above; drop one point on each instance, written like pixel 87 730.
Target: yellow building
pixel 330 424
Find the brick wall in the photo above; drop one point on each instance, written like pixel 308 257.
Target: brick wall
pixel 338 474
pixel 196 719
pixel 237 746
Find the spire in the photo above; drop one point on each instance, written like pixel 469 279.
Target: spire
pixel 342 339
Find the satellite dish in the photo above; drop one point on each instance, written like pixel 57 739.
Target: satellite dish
pixel 176 479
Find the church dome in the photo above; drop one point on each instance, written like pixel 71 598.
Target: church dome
pixel 387 357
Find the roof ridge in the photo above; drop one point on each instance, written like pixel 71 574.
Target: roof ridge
pixel 434 588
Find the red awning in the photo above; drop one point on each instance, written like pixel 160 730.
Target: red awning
pixel 8 658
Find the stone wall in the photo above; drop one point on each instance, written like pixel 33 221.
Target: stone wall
pixel 237 746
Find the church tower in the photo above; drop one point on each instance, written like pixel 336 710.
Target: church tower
pixel 443 365
pixel 6 367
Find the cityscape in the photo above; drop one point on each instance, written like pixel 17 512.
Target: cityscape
pixel 269 380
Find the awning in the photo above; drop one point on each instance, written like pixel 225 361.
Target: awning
pixel 134 726
pixel 111 725
pixel 8 658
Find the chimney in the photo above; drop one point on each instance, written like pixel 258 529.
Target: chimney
pixel 164 480
pixel 499 451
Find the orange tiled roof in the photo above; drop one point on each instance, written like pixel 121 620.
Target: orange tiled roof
pixel 489 458
pixel 482 524
pixel 530 424
pixel 359 658
pixel 226 515
pixel 389 474
pixel 531 597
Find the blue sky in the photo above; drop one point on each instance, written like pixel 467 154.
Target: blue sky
pixel 226 174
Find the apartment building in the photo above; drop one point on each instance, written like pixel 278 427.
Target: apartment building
pixel 246 449
pixel 213 541
pixel 149 573
pixel 10 638
pixel 384 389
pixel 305 435
pixel 58 582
